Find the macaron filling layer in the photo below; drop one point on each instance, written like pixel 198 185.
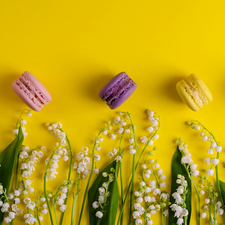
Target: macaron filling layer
pixel 33 89
pixel 115 88
pixel 30 90
pixel 120 91
pixel 195 93
pixel 28 93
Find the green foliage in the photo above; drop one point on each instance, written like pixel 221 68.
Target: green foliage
pixel 8 160
pixel 109 216
pixel 222 187
pixel 178 168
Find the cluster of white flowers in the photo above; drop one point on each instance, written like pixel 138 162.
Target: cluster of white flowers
pixel 152 203
pixel 124 128
pixel 29 203
pixel 212 161
pixel 83 163
pixel 61 149
pixel 112 153
pixel 56 130
pixel 122 125
pixel 211 200
pixel 186 158
pixel 180 196
pixel 61 198
pixel 12 210
pixel 52 161
pixel 217 208
pixel 29 160
pixel 29 219
pixel 154 121
pixel 103 194
pixel 214 148
pixel 22 122
pixel 44 209
pixel 151 193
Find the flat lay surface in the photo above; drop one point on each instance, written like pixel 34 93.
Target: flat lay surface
pixel 75 47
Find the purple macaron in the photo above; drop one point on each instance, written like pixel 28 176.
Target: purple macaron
pixel 117 90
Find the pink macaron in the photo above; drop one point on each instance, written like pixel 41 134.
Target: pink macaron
pixel 31 91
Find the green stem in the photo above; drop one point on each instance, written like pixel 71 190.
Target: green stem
pixel 210 220
pixel 214 213
pixel 164 219
pixel 185 220
pixel 119 166
pixel 199 205
pixel 74 200
pixel 19 118
pixel 89 179
pixel 105 199
pixel 70 169
pixel 197 192
pixel 135 170
pixel 37 214
pixel 54 206
pixel 121 184
pixel 16 179
pixel 46 197
pixel 132 189
pixel 24 189
pixel 45 191
pixel 121 212
pixel 217 172
pixel 157 181
pixel 17 169
pixel 218 187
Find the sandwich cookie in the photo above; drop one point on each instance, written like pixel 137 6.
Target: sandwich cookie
pixel 31 91
pixel 117 90
pixel 194 92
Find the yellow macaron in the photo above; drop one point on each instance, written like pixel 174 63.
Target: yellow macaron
pixel 194 92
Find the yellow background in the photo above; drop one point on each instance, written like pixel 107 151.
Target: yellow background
pixel 75 47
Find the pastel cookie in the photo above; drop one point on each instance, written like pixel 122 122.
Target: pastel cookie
pixel 117 90
pixel 31 91
pixel 194 92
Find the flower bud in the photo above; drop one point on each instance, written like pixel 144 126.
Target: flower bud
pixel 64 182
pixel 49 195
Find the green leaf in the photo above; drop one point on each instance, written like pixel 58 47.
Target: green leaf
pixel 222 187
pixel 8 160
pixel 178 168
pixel 109 216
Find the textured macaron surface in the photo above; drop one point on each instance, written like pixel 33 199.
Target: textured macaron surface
pixel 200 87
pixel 31 91
pixel 36 87
pixel 24 93
pixel 194 92
pixel 113 85
pixel 117 90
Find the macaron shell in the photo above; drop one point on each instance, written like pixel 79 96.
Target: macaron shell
pixel 111 85
pixel 127 92
pixel 36 86
pixel 204 91
pixel 186 95
pixel 26 95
